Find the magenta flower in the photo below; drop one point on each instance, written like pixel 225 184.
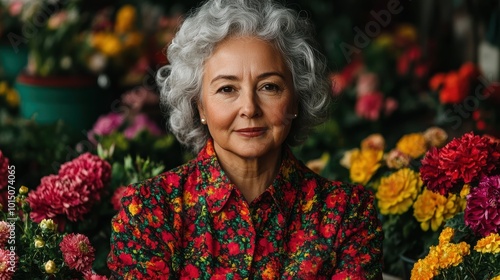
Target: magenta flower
pixel 482 213
pixel 106 125
pixel 72 192
pixel 117 196
pixel 4 172
pixel 77 252
pixel 139 123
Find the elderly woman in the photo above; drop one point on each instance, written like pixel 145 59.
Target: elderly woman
pixel 245 82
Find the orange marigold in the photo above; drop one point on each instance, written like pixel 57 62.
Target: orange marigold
pixel 397 192
pixel 489 244
pixel 413 144
pixel 446 235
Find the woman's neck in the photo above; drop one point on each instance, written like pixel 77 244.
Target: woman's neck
pixel 251 176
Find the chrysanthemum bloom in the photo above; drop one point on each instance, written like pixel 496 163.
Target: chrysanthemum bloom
pixel 395 159
pixel 489 244
pixel 73 191
pixel 467 159
pixel 432 173
pixel 446 235
pixel 374 142
pixel 451 254
pixel 106 125
pixel 47 225
pixel 364 164
pixel 77 252
pixel 482 213
pixel 413 144
pixel 397 192
pixel 428 209
pixel 435 136
pixel 426 268
pixel 4 233
pixel 370 105
pixel 4 172
pixel 7 264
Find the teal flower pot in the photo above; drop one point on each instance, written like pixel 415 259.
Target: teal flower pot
pixel 75 100
pixel 12 61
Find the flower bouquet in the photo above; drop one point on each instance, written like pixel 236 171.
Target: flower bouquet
pixel 411 216
pixel 469 246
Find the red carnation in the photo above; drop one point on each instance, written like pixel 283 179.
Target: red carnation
pixel 77 252
pixel 4 174
pixel 72 192
pixel 463 160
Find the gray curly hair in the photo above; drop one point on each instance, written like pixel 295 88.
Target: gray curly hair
pixel 212 22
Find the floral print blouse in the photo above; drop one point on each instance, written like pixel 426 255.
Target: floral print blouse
pixel 193 223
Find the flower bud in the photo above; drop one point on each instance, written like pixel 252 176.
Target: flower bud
pixel 50 267
pixel 23 190
pixel 48 225
pixel 39 243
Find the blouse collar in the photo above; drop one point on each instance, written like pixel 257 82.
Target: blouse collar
pixel 218 188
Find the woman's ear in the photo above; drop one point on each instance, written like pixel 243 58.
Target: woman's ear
pixel 201 111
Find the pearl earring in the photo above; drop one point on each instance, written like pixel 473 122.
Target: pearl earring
pixel 294 116
pixel 203 121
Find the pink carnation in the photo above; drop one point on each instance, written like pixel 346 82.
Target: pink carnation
pixel 369 105
pixel 72 192
pixel 8 259
pixel 4 232
pixel 77 252
pixel 4 171
pixel 106 125
pixel 139 123
pixel 117 196
pixel 93 276
pixel 482 213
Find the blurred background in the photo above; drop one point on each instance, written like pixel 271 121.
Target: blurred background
pixel 79 76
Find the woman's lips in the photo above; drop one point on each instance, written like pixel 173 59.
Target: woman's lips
pixel 251 131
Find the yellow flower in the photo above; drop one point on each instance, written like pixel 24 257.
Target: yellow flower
pixel 12 98
pixel 50 267
pixel 3 88
pixel 397 192
pixel 465 191
pixel 125 19
pixel 133 39
pixel 428 209
pixel 48 225
pixel 454 205
pixel 384 41
pixel 496 277
pixel 346 159
pixel 424 269
pixel 489 244
pixel 364 164
pixel 413 144
pixel 107 43
pixel 446 235
pixel 407 32
pixel 451 254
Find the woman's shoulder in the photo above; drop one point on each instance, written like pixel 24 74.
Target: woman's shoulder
pixel 165 186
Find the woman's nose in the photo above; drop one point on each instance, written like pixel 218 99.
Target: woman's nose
pixel 249 104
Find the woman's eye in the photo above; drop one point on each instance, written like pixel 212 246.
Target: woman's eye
pixel 225 90
pixel 270 87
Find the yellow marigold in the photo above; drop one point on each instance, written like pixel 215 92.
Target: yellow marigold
pixel 424 269
pixel 125 19
pixel 373 142
pixel 413 144
pixel 428 209
pixel 496 277
pixel 446 235
pixel 451 254
pixel 107 43
pixel 397 192
pixel 489 244
pixel 364 164
pixel 453 206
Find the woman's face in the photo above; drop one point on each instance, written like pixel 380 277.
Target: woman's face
pixel 247 98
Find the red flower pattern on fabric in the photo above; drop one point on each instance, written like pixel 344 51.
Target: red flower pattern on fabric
pixel 302 227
